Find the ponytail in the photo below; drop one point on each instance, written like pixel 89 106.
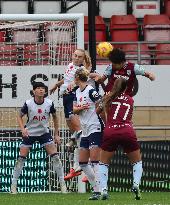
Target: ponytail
pixel 87 61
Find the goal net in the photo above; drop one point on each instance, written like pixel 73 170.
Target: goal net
pixel 34 48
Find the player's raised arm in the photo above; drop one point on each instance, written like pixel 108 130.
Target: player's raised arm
pixel 140 70
pixel 149 75
pixel 118 87
pixel 57 85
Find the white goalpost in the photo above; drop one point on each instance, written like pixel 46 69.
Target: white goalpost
pixel 34 47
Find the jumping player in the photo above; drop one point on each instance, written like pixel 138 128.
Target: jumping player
pixel 121 68
pixel 67 87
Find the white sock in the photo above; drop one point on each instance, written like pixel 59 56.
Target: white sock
pixel 18 169
pixel 137 173
pixel 58 168
pixel 103 171
pixel 95 167
pixel 87 169
pixel 76 166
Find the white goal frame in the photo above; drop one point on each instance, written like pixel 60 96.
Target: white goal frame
pixel 78 17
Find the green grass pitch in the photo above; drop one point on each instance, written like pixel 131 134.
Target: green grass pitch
pixel 116 198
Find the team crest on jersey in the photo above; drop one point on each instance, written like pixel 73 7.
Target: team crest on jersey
pixel 39 111
pixel 128 72
pixel 95 94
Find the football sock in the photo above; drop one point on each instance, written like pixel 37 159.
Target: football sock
pixel 18 169
pixel 103 171
pixel 57 166
pixel 76 159
pixel 137 173
pixel 95 167
pixel 87 169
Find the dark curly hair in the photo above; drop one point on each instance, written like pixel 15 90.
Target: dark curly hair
pixel 117 56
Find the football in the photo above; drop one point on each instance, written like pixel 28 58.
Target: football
pixel 103 49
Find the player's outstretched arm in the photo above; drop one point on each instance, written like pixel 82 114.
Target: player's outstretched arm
pixel 97 77
pixel 149 75
pixel 118 87
pixel 57 85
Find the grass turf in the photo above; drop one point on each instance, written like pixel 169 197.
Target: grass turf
pixel 157 198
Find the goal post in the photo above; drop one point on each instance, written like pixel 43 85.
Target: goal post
pixel 34 47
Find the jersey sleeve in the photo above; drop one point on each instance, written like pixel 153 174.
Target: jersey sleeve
pixel 94 95
pixel 108 71
pixel 24 110
pixel 75 100
pixel 139 69
pixel 52 109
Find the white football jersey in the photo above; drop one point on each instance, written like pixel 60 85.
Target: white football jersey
pixel 90 121
pixel 38 116
pixel 68 77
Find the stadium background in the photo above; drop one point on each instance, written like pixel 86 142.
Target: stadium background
pixel 152 122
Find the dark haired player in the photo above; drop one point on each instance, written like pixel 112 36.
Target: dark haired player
pixel 38 110
pixel 121 68
pixel 119 131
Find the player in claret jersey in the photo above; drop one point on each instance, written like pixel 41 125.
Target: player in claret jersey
pixel 38 110
pixel 119 131
pixel 121 68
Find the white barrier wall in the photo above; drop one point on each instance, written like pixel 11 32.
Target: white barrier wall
pixel 16 84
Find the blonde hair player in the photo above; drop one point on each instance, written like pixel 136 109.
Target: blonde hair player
pixel 85 106
pixel 80 58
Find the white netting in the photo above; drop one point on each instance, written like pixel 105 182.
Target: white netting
pixel 32 51
pixel 40 43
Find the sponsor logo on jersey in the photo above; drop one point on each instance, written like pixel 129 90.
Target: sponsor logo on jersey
pixel 39 118
pixel 128 72
pixel 120 76
pixel 95 94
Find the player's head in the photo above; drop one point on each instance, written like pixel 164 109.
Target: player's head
pixel 123 84
pixel 120 85
pixel 81 75
pixel 81 57
pixel 117 57
pixel 39 89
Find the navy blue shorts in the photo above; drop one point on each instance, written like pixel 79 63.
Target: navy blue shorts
pixel 93 140
pixel 68 104
pixel 43 140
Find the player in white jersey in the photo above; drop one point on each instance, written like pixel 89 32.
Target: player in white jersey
pixel 92 126
pixel 80 58
pixel 38 110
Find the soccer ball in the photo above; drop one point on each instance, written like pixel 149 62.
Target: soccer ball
pixel 103 49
